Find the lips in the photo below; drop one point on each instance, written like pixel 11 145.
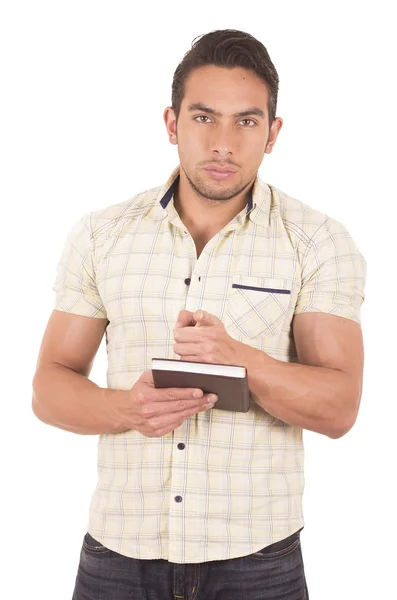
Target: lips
pixel 220 169
pixel 220 173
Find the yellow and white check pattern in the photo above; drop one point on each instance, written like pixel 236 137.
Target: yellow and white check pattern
pixel 236 485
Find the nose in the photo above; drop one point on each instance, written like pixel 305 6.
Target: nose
pixel 223 142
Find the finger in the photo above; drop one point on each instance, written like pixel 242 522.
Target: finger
pixel 189 349
pixel 185 318
pixel 191 358
pixel 170 394
pixel 192 334
pixel 191 407
pixel 172 420
pixel 203 318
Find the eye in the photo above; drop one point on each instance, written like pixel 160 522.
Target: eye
pixel 248 122
pixel 200 119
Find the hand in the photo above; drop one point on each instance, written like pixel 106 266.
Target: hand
pixel 154 412
pixel 202 337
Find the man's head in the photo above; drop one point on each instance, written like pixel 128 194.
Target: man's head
pixel 224 97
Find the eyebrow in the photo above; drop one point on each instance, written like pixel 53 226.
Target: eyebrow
pixel 245 113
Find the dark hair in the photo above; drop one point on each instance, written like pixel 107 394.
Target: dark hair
pixel 227 48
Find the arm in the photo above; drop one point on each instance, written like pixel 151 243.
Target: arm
pixel 323 392
pixel 63 396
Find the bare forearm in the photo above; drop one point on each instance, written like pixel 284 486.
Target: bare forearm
pixel 70 401
pixel 316 398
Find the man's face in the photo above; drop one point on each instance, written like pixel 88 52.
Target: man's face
pixel 223 124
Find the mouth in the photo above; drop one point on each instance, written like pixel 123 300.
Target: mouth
pixel 220 172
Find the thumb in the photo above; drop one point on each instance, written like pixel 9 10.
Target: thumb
pixel 147 377
pixel 203 318
pixel 185 318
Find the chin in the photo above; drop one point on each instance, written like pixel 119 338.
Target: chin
pixel 219 191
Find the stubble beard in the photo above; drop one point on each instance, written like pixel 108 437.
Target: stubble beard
pixel 205 191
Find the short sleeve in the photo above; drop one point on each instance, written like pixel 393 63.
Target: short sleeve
pixel 333 274
pixel 75 285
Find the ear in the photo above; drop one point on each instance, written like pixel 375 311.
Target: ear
pixel 274 131
pixel 170 123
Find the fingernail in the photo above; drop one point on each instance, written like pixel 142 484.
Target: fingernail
pixel 198 394
pixel 212 398
pixel 210 405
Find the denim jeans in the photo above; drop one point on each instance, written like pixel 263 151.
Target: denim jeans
pixel 275 572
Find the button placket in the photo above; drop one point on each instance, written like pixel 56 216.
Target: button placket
pixel 179 466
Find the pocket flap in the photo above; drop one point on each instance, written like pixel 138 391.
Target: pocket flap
pixel 257 306
pixel 262 284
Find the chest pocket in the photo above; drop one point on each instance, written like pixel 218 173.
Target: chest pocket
pixel 257 306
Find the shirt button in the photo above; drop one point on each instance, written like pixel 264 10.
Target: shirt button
pixel 181 446
pixel 187 280
pixel 178 498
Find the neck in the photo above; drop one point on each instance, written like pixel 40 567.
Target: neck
pixel 203 214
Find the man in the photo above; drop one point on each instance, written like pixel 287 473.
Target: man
pixel 214 266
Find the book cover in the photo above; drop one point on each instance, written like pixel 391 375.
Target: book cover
pixel 229 382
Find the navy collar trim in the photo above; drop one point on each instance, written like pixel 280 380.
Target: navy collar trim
pixel 170 192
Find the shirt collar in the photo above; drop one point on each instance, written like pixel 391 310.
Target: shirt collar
pixel 257 208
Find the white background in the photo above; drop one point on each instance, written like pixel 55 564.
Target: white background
pixel 84 85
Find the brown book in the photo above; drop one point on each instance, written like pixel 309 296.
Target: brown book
pixel 229 382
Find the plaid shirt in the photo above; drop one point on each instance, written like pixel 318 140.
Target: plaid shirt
pixel 223 484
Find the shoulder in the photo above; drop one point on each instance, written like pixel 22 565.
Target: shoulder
pixel 312 228
pixel 296 216
pixel 103 222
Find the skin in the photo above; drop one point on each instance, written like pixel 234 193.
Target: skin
pixel 321 394
pixel 64 397
pixel 206 205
